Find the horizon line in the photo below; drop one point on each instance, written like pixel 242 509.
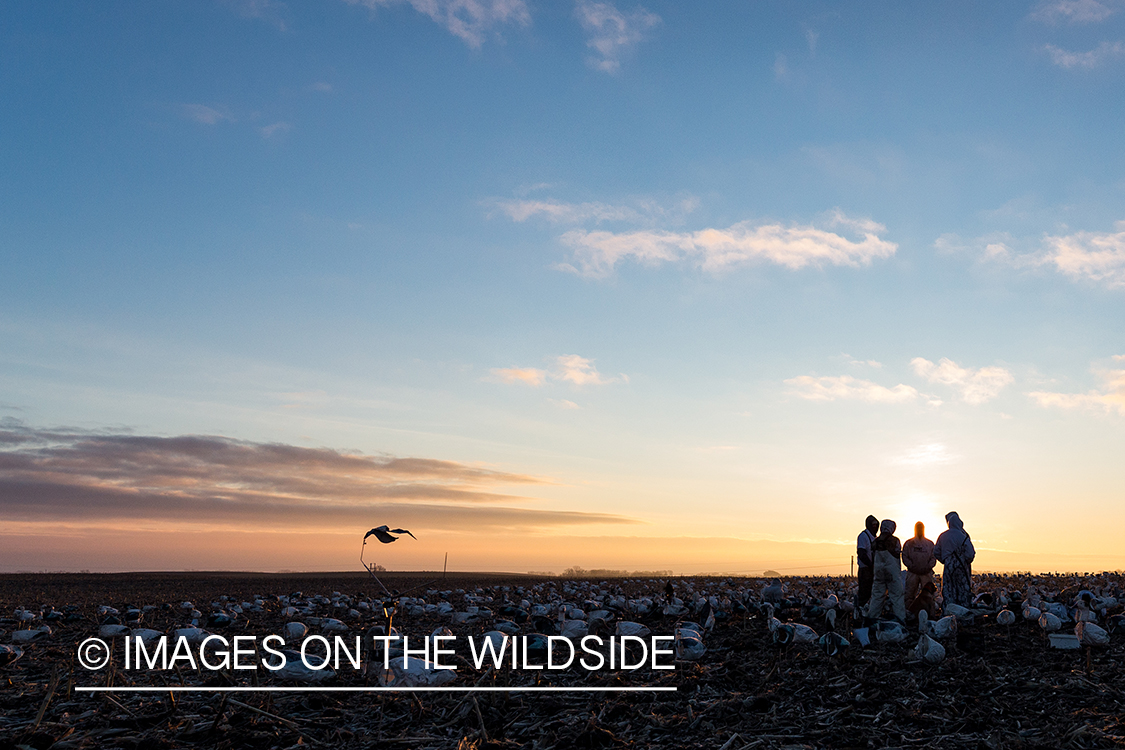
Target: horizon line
pixel 767 573
pixel 375 689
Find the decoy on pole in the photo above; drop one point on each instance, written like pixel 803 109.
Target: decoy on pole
pixel 383 534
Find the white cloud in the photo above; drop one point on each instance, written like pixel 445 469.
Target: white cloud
pixel 1098 55
pixel 611 33
pixel 1110 398
pixel 1072 11
pixel 1090 256
pixel 597 253
pixel 470 20
pixel 205 115
pixel 975 386
pixel 567 213
pixel 568 367
pixel 275 130
pixel 831 388
pixel 866 226
pixel 997 251
pixel 865 362
pixel 998 247
pixel 581 371
pixel 642 211
pixel 1096 256
pixel 526 375
pixel 564 403
pixel 270 11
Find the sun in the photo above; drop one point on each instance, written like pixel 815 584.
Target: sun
pixel 918 507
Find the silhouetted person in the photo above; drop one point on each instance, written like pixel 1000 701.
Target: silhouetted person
pixel 954 550
pixel 918 557
pixel 669 592
pixel 865 567
pixel 888 574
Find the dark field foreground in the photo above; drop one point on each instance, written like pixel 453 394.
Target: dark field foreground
pixel 999 687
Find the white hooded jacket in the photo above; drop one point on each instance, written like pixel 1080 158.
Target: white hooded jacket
pixel 955 542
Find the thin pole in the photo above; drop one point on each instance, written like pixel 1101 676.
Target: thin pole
pixel 445 567
pixel 371 568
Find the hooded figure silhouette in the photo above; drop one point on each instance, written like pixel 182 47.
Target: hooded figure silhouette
pixel 954 550
pixel 888 574
pixel 918 557
pixel 866 559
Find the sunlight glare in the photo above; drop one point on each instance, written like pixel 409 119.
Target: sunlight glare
pixel 918 506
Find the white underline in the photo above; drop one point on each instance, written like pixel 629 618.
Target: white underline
pixel 251 689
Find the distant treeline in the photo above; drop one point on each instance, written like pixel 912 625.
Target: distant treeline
pixel 48 572
pixel 579 572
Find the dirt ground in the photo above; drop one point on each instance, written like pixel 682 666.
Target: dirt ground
pixel 999 687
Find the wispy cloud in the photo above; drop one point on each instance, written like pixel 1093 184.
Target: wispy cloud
pixel 611 33
pixel 780 67
pixel 1084 256
pixel 639 211
pixel 581 371
pixel 975 386
pixel 275 130
pixel 997 247
pixel 597 253
pixel 1110 398
pixel 470 20
pixel 811 37
pixel 1072 11
pixel 845 387
pixel 861 362
pixel 568 367
pixel 270 11
pixel 527 375
pixel 77 477
pixel 201 113
pixel 1095 256
pixel 790 68
pixel 567 213
pixel 1096 57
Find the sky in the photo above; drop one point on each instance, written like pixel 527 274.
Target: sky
pixel 658 286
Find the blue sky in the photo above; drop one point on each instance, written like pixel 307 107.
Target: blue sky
pixel 740 271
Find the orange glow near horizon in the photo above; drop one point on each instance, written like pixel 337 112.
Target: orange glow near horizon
pixel 108 550
pixel 113 502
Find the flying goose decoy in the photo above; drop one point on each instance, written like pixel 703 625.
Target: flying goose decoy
pixel 383 534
